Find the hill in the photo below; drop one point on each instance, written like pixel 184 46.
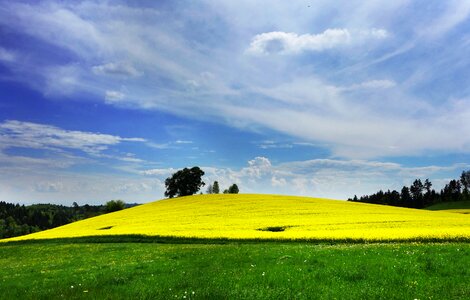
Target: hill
pixel 462 207
pixel 268 217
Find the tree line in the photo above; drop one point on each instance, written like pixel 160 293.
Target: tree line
pixel 188 182
pixel 215 189
pixel 420 194
pixel 18 219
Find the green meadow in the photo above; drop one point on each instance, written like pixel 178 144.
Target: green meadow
pixel 265 270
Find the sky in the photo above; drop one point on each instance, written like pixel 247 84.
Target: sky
pixel 103 100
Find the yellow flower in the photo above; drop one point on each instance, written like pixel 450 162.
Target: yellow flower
pixel 245 216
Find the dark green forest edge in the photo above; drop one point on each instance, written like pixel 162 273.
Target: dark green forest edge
pixel 16 220
pixel 421 195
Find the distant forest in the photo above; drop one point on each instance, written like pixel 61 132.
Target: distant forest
pixel 420 194
pixel 18 219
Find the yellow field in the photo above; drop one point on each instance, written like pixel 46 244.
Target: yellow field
pixel 242 217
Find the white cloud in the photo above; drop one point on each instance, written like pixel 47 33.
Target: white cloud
pixel 273 145
pixel 46 186
pixel 117 68
pixel 275 182
pixel 454 14
pixel 183 142
pixel 7 55
pixel 211 78
pixel 49 187
pixel 292 43
pixel 40 136
pixel 257 167
pixel 159 172
pixel 112 96
pixel 63 80
pixel 371 84
pixel 330 178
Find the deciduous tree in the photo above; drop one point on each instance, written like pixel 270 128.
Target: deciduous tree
pixel 184 182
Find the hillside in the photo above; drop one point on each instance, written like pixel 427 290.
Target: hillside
pixel 462 207
pixel 268 217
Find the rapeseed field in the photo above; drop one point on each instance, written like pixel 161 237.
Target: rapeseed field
pixel 247 216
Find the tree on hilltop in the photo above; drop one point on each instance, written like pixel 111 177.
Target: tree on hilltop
pixel 233 189
pixel 209 189
pixel 184 182
pixel 215 188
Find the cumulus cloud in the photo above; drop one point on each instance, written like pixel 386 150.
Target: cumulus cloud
pixel 330 178
pixel 292 43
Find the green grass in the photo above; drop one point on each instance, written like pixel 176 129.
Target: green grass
pixel 450 205
pixel 59 269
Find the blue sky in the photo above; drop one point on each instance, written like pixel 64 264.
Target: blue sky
pixel 103 100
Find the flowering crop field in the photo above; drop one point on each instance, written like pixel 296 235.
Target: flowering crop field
pixel 246 216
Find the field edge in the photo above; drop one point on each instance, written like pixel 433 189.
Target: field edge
pixel 136 238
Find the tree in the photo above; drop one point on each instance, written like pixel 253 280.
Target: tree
pixel 210 189
pixel 405 196
pixel 465 180
pixel 427 186
pixel 233 189
pixel 416 190
pixel 215 188
pixel 451 191
pixel 428 196
pixel 115 205
pixel 184 182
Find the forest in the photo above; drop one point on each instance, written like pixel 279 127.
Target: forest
pixel 421 194
pixel 16 219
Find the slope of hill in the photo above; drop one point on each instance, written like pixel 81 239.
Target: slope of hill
pixel 268 217
pixel 462 207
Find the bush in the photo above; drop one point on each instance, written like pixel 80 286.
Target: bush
pixel 114 205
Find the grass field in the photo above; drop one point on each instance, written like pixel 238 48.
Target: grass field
pixel 462 207
pixel 244 247
pixel 270 217
pixel 60 270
